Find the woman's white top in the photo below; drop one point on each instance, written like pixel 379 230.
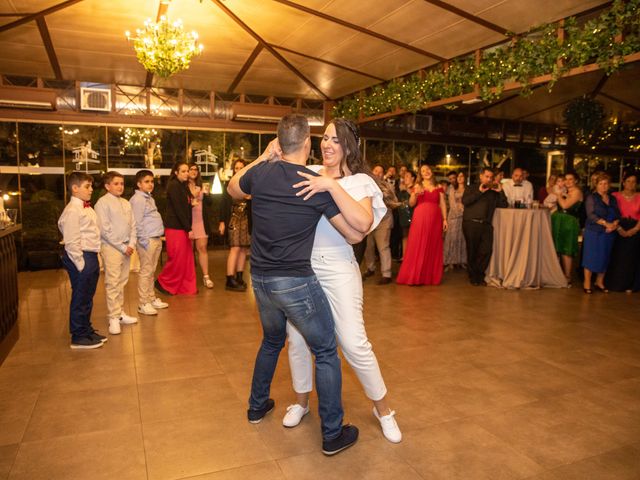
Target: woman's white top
pixel 358 186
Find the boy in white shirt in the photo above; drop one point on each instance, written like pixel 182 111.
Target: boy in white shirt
pixel 118 236
pixel 79 227
pixel 149 229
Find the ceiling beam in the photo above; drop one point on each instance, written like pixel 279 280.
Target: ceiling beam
pixel 247 65
pixel 269 48
pixel 550 107
pixel 468 16
pixel 621 102
pixel 360 29
pixel 48 45
pixel 284 49
pixel 600 84
pixel 162 10
pixel 41 13
pixel 503 100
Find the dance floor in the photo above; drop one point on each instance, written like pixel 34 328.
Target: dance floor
pixel 487 384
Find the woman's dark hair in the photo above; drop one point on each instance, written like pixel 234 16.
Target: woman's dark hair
pixel 629 173
pixel 235 162
pixel 176 167
pixel 461 172
pixel 349 139
pixel 198 180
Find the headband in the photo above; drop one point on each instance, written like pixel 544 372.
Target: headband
pixel 354 130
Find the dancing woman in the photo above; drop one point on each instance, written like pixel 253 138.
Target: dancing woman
pixel 345 175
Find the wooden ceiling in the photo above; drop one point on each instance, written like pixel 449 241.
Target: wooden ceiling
pixel 316 49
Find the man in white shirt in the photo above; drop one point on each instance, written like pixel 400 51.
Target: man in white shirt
pixel 517 189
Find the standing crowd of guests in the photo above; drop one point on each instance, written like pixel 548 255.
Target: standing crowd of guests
pixel 448 225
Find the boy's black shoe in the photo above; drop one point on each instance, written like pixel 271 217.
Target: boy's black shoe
pixel 256 416
pixel 160 289
pixel 85 343
pixel 347 437
pixel 96 336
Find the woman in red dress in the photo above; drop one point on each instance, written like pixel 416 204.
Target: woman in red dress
pixel 422 263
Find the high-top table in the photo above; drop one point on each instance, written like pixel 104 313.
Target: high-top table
pixel 523 255
pixel 8 290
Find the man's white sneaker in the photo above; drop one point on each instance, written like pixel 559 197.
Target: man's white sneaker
pixel 114 326
pixel 147 309
pixel 294 415
pixel 390 428
pixel 127 319
pixel 158 304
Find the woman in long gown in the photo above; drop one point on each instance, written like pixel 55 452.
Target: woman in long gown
pixel 178 277
pixel 422 263
pixel 455 248
pixel 566 225
pixel 623 274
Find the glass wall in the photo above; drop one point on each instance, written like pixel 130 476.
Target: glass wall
pixel 32 169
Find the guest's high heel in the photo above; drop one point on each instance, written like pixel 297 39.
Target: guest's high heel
pixel 207 281
pixel 601 289
pixel 588 291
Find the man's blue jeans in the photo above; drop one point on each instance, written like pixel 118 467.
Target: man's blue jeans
pixel 301 301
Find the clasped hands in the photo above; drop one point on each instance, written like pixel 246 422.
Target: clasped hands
pixel 314 184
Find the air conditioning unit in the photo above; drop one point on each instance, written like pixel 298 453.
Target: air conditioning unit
pixel 259 112
pixel 27 98
pixel 421 123
pixel 95 99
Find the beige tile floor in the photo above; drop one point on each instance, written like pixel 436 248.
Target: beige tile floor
pixel 487 384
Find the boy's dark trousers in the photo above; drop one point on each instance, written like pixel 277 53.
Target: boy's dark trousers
pixel 83 287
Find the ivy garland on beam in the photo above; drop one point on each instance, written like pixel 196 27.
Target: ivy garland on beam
pixel 603 40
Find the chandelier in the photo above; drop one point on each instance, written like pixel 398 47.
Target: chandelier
pixel 164 48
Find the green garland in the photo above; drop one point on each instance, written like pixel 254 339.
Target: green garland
pixel 585 117
pixel 538 53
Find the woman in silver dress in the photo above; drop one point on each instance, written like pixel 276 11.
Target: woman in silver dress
pixel 455 248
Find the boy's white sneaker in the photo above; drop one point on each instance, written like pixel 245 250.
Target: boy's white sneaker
pixel 294 415
pixel 127 319
pixel 390 428
pixel 147 309
pixel 158 304
pixel 114 326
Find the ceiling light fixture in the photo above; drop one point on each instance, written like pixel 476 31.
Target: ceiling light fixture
pixel 164 48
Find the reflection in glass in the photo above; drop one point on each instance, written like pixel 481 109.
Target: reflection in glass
pixel 379 152
pixel 407 154
pixel 8 154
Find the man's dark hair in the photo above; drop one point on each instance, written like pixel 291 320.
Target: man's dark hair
pixel 142 174
pixel 109 176
pixel 78 178
pixel 452 172
pixel 293 129
pixel 486 169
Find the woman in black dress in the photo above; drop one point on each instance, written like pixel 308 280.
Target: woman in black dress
pixel 623 274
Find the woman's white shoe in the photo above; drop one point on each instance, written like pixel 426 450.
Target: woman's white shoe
pixel 294 415
pixel 390 428
pixel 207 281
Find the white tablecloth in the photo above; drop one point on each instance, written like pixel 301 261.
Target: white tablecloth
pixel 523 252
